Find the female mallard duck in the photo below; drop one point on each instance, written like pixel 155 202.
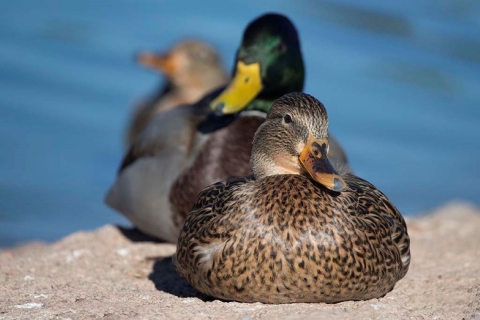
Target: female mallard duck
pixel 193 68
pixel 188 148
pixel 297 230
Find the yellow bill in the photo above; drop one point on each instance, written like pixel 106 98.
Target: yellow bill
pixel 315 161
pixel 246 85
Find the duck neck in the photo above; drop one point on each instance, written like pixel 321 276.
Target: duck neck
pixel 273 167
pixel 259 105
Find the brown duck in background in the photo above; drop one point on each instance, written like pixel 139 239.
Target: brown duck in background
pixel 192 68
pixel 296 230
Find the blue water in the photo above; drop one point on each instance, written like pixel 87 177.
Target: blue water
pixel 401 82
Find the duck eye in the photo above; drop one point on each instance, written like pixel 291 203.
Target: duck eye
pixel 200 55
pixel 287 118
pixel 280 47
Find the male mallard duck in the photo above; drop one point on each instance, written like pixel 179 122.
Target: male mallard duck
pixel 188 148
pixel 193 68
pixel 297 230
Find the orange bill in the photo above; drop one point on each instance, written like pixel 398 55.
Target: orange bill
pixel 315 161
pixel 165 64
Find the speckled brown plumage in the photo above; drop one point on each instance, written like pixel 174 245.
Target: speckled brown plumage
pixel 282 238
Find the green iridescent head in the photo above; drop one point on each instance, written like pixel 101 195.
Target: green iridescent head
pixel 268 65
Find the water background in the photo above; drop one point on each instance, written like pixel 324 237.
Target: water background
pixel 400 80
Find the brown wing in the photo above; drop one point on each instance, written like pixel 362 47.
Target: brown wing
pixel 373 206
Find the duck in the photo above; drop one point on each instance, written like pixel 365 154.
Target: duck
pixel 188 148
pixel 192 68
pixel 296 230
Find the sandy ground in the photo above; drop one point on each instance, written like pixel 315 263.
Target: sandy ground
pixel 119 274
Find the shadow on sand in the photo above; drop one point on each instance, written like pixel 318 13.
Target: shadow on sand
pixel 163 273
pixel 167 280
pixel 135 235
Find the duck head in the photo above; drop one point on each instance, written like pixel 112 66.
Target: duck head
pixel 268 64
pixel 187 64
pixel 294 140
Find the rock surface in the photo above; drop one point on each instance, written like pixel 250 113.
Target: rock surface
pixel 118 274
